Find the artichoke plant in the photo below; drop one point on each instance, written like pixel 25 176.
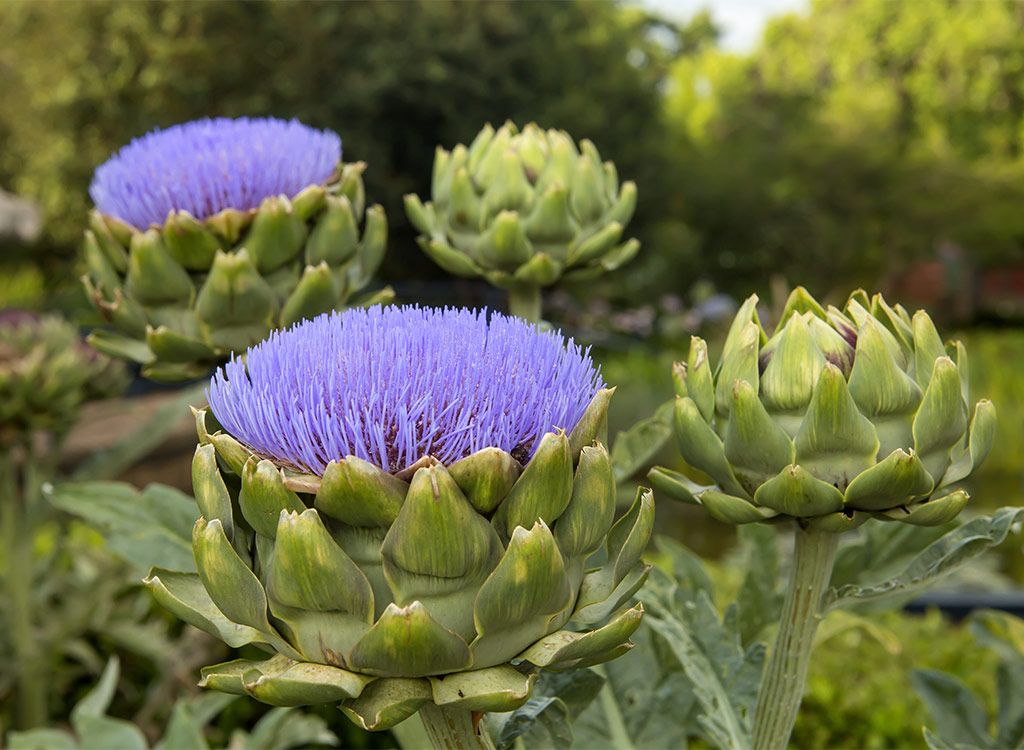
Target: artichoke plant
pixel 524 209
pixel 399 504
pixel 838 416
pixel 46 372
pixel 208 235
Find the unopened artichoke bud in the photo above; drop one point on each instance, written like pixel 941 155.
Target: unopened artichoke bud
pixel 46 373
pixel 209 235
pixel 408 523
pixel 525 209
pixel 838 416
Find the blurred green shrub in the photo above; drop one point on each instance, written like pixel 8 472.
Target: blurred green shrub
pixel 859 690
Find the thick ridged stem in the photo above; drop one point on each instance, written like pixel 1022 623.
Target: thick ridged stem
pixel 19 535
pixel 778 703
pixel 524 302
pixel 455 728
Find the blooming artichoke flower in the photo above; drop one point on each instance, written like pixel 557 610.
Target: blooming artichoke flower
pixel 208 235
pixel 525 209
pixel 839 416
pixel 46 372
pixel 399 504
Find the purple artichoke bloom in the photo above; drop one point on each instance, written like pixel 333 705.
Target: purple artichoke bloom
pixel 206 166
pixel 392 385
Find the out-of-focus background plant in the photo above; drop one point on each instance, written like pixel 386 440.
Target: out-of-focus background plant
pixel 858 142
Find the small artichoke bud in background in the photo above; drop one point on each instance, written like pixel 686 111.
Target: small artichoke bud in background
pixel 46 373
pixel 209 235
pixel 525 209
pixel 838 416
pixel 400 503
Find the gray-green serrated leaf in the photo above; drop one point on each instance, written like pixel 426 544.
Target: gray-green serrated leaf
pixel 950 552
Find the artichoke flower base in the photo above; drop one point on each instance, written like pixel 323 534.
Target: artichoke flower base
pixel 452 585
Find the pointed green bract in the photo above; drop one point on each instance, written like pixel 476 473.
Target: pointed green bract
pixel 358 493
pixel 544 489
pixel 835 441
pixel 731 509
pixel 520 598
pixel 756 446
pixel 189 242
pixel 439 550
pixel 566 646
pixel 184 595
pixel 583 526
pixel 794 492
pixel 232 586
pixel 485 477
pixel 942 418
pixel 593 425
pixel 210 491
pixel 408 642
pixel 387 702
pixel 316 293
pixel 799 301
pixel 154 278
pixel 738 364
pixel 792 372
pixel 301 683
pixel 877 383
pixel 701 447
pixel 982 434
pixel 311 572
pixel 698 381
pixel 934 512
pixel 899 479
pixel 500 688
pixel 263 496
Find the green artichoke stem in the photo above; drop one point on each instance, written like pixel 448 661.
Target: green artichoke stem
pixel 778 703
pixel 18 540
pixel 455 728
pixel 524 302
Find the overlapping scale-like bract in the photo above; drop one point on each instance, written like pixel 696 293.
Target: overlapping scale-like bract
pixel 209 235
pixel 386 585
pixel 524 209
pixel 839 416
pixel 394 384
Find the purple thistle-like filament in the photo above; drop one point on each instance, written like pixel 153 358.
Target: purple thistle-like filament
pixel 391 385
pixel 206 166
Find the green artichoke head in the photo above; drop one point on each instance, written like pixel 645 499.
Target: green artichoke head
pixel 525 209
pixel 837 416
pixel 46 373
pixel 383 592
pixel 182 296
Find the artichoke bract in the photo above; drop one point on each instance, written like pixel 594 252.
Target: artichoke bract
pixel 209 235
pixel 525 209
pixel 399 505
pixel 839 416
pixel 46 373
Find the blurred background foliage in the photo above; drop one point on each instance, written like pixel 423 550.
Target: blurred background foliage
pixel 855 139
pixel 861 142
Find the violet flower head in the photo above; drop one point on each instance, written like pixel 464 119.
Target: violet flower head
pixel 206 166
pixel 391 385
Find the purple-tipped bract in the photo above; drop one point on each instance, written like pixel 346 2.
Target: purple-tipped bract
pixel 391 385
pixel 208 165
